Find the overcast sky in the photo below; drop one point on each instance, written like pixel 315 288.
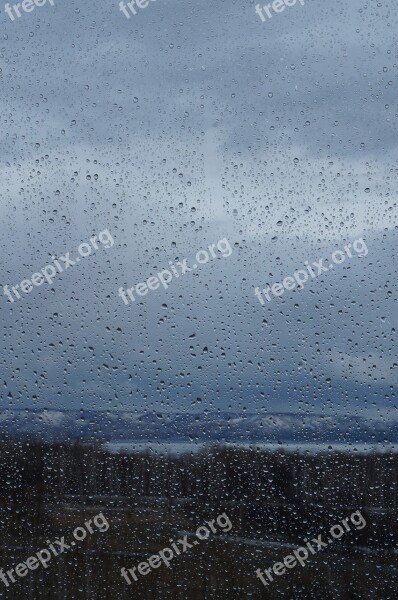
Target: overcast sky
pixel 189 123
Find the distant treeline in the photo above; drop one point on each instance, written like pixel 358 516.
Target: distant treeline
pixel 266 493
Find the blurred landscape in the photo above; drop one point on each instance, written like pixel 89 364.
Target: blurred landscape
pixel 192 430
pixel 273 499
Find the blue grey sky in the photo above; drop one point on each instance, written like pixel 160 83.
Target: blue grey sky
pixel 189 123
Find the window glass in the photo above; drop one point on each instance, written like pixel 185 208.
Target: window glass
pixel 199 242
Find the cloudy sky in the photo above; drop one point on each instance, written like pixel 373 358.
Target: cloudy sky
pixel 189 123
